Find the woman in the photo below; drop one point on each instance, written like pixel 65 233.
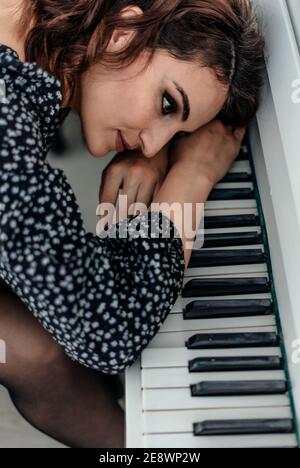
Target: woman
pixel 140 72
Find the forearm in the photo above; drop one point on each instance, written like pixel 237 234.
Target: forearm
pixel 183 185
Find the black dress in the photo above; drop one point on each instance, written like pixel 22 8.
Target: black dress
pixel 101 299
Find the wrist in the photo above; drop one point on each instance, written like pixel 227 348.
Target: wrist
pixel 161 161
pixel 195 174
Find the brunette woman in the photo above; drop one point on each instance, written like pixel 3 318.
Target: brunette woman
pixel 174 82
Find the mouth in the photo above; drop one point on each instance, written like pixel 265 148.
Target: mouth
pixel 120 143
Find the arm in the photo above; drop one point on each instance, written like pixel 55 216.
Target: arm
pixel 102 300
pixel 198 163
pixel 183 185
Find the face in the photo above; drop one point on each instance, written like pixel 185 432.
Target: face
pixel 148 108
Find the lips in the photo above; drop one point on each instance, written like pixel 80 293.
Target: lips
pixel 120 144
pixel 126 146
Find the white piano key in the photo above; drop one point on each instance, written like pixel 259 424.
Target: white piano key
pixel 233 212
pixel 241 166
pixel 179 357
pixel 235 273
pixel 176 323
pixel 177 339
pixel 190 441
pixel 165 399
pixel 179 377
pixel 234 185
pixel 236 247
pixel 233 230
pixel 227 270
pixel 160 422
pixel 230 204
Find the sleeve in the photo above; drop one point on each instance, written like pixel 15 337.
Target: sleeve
pixel 101 299
pixel 30 101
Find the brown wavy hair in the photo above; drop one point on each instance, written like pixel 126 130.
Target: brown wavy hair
pixel 69 36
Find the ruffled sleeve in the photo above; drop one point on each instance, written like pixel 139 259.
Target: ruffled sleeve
pixel 101 299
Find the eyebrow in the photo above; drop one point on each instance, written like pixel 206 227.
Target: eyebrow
pixel 186 103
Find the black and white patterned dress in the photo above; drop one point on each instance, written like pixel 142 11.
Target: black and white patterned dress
pixel 101 299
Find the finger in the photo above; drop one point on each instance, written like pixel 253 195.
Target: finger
pixel 146 194
pixel 156 190
pixel 109 189
pixel 130 192
pixel 108 195
pixel 239 133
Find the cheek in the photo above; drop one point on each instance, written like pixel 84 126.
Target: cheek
pixel 133 118
pixel 98 139
pixel 104 109
pixel 134 108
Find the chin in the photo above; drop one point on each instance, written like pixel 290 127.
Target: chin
pixel 98 155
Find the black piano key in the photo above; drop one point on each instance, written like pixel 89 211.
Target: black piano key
pixel 232 239
pixel 243 155
pixel 227 308
pixel 231 340
pixel 202 287
pixel 243 426
pixel 231 194
pixel 234 221
pixel 236 177
pixel 239 388
pixel 214 258
pixel 235 363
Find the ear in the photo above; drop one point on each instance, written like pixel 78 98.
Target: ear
pixel 121 37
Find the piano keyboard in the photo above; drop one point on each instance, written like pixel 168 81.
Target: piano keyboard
pixel 222 371
pixel 215 374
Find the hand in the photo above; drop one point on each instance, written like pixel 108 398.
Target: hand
pixel 211 150
pixel 134 175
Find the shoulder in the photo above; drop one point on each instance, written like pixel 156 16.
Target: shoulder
pixel 42 89
pixel 30 100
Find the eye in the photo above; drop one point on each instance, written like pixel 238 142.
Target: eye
pixel 169 105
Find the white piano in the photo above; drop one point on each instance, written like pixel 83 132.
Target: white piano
pixel 224 370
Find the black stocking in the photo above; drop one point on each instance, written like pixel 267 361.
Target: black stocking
pixel 72 404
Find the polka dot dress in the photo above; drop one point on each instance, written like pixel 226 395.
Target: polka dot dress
pixel 101 298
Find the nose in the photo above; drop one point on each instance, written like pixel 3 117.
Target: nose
pixel 155 140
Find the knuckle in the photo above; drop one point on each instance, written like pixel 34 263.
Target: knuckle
pixel 113 170
pixel 136 172
pixel 152 175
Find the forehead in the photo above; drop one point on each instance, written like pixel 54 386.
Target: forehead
pixel 205 92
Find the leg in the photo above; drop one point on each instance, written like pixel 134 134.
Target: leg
pixel 61 398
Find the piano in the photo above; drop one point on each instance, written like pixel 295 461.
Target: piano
pixel 224 369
